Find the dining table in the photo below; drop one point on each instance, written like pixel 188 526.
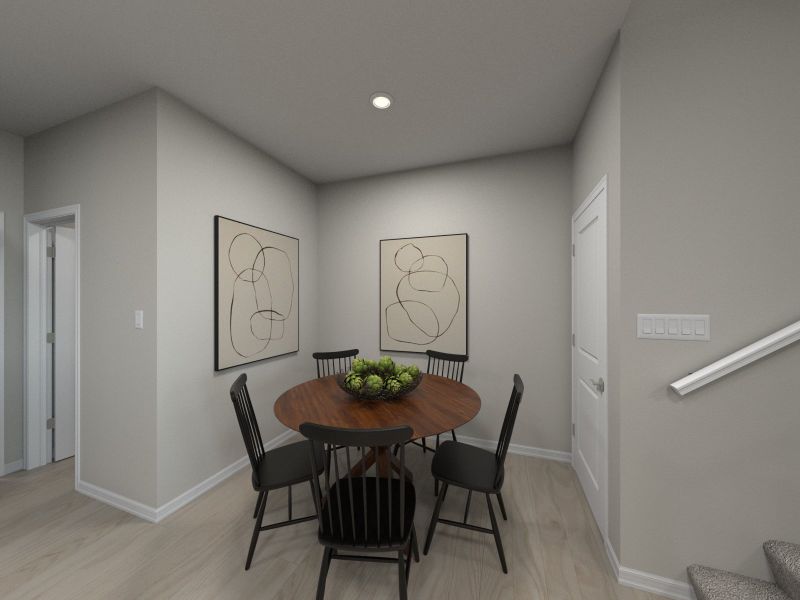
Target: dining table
pixel 437 405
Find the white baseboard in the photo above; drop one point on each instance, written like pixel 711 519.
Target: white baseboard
pixel 520 449
pixel 143 511
pixel 655 584
pixel 640 580
pixel 11 467
pixel 201 488
pixel 154 515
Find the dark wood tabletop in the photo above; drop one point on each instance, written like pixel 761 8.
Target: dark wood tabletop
pixel 437 405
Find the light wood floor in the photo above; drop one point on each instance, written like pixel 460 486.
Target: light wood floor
pixel 56 543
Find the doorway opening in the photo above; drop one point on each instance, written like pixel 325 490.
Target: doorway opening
pixel 52 337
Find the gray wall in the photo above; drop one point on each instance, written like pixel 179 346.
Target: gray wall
pixel 710 223
pixel 516 210
pixel 596 153
pixel 11 203
pixel 203 170
pixel 106 162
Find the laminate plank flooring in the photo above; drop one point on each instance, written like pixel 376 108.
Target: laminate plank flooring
pixel 56 543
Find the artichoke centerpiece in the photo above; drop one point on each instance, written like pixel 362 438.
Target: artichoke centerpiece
pixel 381 379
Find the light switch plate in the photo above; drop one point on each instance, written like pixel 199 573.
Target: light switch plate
pixel 138 319
pixel 690 328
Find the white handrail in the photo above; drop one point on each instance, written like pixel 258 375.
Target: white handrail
pixel 737 360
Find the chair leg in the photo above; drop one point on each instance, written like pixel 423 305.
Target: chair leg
pixel 256 531
pixel 434 518
pixel 396 449
pixel 453 433
pixel 323 572
pixel 414 546
pixel 502 506
pixel 496 532
pixel 435 487
pixel 401 567
pixel 258 504
pixel 424 445
pixel 466 509
pixel 313 493
pixel 290 503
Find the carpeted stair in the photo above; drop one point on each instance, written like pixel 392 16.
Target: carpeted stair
pixel 784 560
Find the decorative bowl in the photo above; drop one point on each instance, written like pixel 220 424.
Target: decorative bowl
pixel 384 394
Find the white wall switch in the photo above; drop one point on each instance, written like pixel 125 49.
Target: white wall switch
pixel 692 328
pixel 138 319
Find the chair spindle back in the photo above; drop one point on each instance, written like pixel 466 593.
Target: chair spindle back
pixel 353 509
pixel 333 363
pixel 446 365
pixel 248 424
pixel 508 423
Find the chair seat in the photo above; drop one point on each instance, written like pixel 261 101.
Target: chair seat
pixel 468 467
pixel 339 533
pixel 286 465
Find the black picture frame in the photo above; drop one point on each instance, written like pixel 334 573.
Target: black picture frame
pixel 466 292
pixel 217 299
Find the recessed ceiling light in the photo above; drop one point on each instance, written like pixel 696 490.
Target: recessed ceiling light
pixel 381 100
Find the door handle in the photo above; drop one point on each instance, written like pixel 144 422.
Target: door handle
pixel 599 384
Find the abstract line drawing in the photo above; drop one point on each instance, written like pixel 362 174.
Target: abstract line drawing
pixel 256 295
pixel 423 294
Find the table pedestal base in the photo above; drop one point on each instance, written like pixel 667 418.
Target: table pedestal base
pixel 385 461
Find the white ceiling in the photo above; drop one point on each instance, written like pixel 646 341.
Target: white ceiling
pixel 469 78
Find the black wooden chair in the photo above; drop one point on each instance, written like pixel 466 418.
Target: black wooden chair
pixel 369 515
pixel 333 363
pixel 281 467
pixel 478 470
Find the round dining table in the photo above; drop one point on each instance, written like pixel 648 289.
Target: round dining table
pixel 436 406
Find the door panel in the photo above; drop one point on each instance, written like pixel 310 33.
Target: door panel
pixel 64 355
pixel 589 367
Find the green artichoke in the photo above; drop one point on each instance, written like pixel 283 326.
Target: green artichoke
pixel 386 364
pixel 393 385
pixel 359 366
pixel 354 383
pixel 413 370
pixel 405 378
pixel 373 384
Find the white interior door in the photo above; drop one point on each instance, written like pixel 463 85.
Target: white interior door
pixel 589 351
pixel 64 347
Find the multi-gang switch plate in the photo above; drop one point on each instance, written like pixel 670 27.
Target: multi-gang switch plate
pixel 690 328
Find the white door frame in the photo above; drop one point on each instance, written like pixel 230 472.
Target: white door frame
pixel 600 188
pixel 35 390
pixel 2 343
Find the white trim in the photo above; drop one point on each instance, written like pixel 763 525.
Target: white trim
pixel 557 455
pixel 143 511
pixel 2 341
pixel 201 488
pixel 155 515
pixel 640 580
pixel 13 467
pixel 35 345
pixel 600 188
pixel 655 584
pixel 612 557
pixel 737 360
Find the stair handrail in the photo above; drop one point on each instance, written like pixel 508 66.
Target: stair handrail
pixel 735 361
